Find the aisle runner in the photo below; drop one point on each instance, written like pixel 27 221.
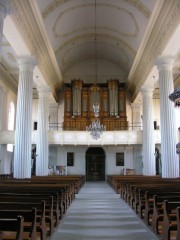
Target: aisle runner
pixel 98 213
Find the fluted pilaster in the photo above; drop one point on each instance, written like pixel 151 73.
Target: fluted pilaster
pixel 42 133
pixel 149 166
pixel 170 162
pixel 22 154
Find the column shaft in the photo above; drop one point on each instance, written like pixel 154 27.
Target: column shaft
pixel 42 159
pixel 22 154
pixel 170 163
pixel 148 138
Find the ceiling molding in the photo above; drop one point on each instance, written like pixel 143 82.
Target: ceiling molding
pixel 84 37
pixel 116 7
pixel 166 24
pixel 135 3
pixel 31 28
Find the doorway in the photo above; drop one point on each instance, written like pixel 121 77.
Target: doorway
pixel 95 164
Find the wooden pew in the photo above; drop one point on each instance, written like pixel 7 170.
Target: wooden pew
pixel 63 188
pixel 11 228
pixel 31 198
pixel 40 220
pixel 155 198
pixel 178 223
pixel 29 223
pixel 169 226
pixel 157 217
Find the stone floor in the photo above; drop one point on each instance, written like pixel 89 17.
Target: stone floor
pixel 98 213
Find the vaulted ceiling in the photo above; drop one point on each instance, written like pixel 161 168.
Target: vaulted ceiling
pixel 92 40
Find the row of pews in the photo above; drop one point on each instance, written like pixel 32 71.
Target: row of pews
pixel 154 199
pixel 32 208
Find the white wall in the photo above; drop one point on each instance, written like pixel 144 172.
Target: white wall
pixel 6 157
pixel 80 155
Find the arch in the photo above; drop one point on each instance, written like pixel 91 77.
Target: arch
pixel 95 164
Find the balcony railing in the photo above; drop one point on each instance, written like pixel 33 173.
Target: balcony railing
pixel 131 126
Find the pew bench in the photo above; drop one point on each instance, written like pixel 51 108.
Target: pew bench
pixel 157 216
pixel 40 216
pixel 50 214
pixel 169 225
pixel 29 224
pixel 11 228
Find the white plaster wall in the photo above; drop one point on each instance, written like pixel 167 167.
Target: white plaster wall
pixel 80 162
pixel 6 157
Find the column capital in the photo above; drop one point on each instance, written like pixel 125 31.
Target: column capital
pixel 43 91
pixel 165 62
pixel 4 9
pixel 147 91
pixel 25 62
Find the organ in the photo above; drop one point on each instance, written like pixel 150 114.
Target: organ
pixel 79 100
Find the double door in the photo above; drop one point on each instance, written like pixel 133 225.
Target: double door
pixel 95 168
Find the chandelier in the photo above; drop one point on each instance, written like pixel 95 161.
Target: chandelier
pixel 175 97
pixel 95 128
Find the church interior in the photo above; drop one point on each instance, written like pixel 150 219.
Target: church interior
pixel 89 92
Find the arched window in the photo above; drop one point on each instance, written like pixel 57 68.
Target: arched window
pixel 11 116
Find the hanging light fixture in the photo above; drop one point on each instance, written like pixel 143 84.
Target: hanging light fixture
pixel 175 97
pixel 95 128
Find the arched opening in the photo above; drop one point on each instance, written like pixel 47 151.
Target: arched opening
pixel 95 164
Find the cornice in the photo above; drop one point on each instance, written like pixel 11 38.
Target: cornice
pixel 29 24
pixel 167 21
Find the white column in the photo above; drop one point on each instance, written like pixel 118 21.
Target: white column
pixel 42 132
pixel 170 162
pixel 136 116
pixel 149 166
pixel 23 133
pixel 4 10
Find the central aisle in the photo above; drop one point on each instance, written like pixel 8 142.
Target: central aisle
pixel 98 213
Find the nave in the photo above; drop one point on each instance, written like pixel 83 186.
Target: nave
pixel 99 213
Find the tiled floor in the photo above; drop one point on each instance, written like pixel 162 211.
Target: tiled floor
pixel 98 213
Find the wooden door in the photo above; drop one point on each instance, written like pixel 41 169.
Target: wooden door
pixel 95 164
